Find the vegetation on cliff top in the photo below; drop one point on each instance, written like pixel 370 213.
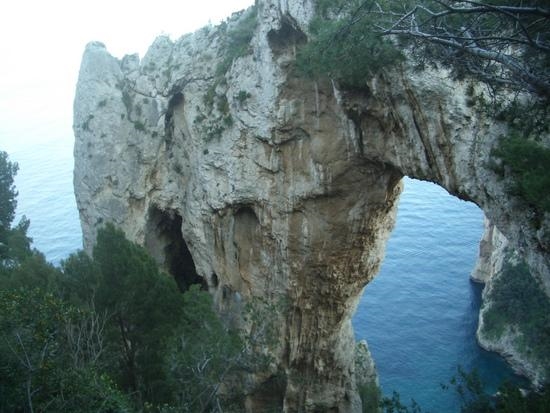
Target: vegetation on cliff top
pixel 528 162
pixel 348 53
pixel 503 44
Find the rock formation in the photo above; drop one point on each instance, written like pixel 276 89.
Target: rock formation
pixel 491 254
pixel 495 254
pixel 235 172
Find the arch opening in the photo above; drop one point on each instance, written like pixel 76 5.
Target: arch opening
pixel 164 241
pixel 420 314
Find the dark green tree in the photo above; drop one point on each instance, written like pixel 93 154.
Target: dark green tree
pixel 43 365
pixel 503 43
pixel 80 280
pixel 163 347
pixel 8 193
pixel 508 399
pixel 202 354
pixel 33 271
pixel 344 47
pixel 14 243
pixel 144 307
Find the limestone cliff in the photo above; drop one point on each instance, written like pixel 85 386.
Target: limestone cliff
pixel 512 340
pixel 235 172
pixel 491 254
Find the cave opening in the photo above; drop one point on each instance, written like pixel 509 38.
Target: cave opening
pixel 164 241
pixel 420 313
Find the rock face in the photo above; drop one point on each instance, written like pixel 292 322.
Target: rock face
pixel 236 173
pixel 495 253
pixel 492 254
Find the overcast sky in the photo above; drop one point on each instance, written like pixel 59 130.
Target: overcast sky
pixel 41 44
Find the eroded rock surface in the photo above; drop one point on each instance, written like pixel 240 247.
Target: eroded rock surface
pixel 492 254
pixel 256 182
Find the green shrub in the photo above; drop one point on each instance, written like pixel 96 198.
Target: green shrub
pixel 200 340
pixel 349 52
pixel 370 397
pixel 393 404
pixel 528 162
pixel 508 399
pixel 43 366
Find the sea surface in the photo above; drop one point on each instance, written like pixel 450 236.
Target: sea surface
pixel 46 196
pixel 419 315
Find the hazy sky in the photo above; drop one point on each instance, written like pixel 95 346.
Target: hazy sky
pixel 41 44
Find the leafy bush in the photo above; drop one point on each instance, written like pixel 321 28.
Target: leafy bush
pixel 344 49
pixel 202 352
pixel 41 366
pixel 511 400
pixel 508 399
pixel 351 55
pixel 528 163
pixel 393 404
pixel 242 96
pixel 370 397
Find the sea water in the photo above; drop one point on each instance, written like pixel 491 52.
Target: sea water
pixel 419 315
pixel 46 197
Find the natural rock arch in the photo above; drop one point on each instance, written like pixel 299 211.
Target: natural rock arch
pixel 418 294
pixel 295 195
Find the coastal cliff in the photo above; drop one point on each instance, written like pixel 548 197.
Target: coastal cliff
pixel 512 316
pixel 235 172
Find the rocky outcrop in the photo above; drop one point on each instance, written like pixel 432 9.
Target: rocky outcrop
pixel 235 172
pixel 510 341
pixel 492 254
pixel 507 344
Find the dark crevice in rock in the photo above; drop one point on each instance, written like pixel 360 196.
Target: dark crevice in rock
pixel 289 34
pixel 164 241
pixel 269 395
pixel 214 280
pixel 175 101
pixel 356 119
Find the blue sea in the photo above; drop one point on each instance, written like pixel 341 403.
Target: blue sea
pixel 419 315
pixel 46 196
